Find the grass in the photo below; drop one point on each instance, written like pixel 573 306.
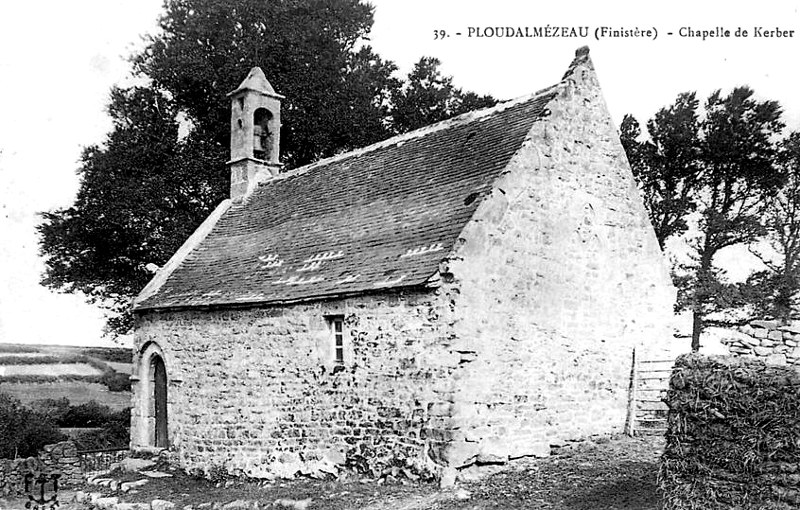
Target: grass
pixel 78 392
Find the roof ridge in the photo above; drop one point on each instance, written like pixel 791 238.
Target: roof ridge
pixel 463 118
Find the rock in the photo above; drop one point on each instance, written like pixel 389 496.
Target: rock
pixel 529 449
pixel 80 497
pixel 188 507
pixel 241 504
pixel 162 504
pixel 764 324
pixel 762 351
pixel 296 504
pixel 114 485
pixel 760 333
pixel 776 359
pixel 448 478
pixel 132 465
pixel 336 456
pixel 460 453
pixel 775 335
pixel 767 343
pixel 106 503
pixel 493 451
pixel 133 506
pixel 462 494
pixel 793 327
pixel 155 474
pixel 126 486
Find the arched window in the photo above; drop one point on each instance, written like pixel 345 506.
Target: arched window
pixel 262 138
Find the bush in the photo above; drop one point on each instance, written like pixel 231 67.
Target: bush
pixel 116 381
pixel 115 354
pixel 112 435
pixel 732 438
pixel 23 432
pixel 90 414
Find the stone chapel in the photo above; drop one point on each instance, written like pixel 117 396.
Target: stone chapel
pixel 467 292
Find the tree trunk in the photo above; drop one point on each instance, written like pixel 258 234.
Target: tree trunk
pixel 697 326
pixel 701 295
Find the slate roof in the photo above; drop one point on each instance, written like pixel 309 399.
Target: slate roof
pixel 380 217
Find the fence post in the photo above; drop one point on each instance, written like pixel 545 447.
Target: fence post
pixel 630 420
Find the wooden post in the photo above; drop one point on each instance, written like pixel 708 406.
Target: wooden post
pixel 630 420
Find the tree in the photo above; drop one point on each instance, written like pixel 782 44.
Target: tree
pixel 666 165
pixel 427 97
pixel 773 291
pixel 722 167
pixel 162 168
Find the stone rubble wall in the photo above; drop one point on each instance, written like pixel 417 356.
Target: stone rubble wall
pixel 254 392
pixel 772 341
pixel 55 458
pixel 558 277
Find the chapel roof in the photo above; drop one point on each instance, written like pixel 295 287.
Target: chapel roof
pixel 381 217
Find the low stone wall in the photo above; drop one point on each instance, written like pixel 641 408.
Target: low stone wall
pixel 732 435
pixel 55 458
pixel 776 343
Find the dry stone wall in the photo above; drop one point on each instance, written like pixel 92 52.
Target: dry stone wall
pixel 256 392
pixel 59 458
pixel 774 342
pixel 558 277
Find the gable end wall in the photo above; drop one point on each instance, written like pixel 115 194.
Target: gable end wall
pixel 556 278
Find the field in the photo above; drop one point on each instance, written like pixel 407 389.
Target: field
pixel 76 391
pixel 36 372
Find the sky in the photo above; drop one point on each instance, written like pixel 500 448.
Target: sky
pixel 59 59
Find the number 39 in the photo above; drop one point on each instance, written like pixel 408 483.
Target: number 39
pixel 439 34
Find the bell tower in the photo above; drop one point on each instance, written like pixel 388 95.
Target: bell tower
pixel 255 134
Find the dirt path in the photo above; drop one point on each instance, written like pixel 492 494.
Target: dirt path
pixel 617 475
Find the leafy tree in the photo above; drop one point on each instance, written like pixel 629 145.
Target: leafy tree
pixel 667 164
pixel 773 291
pixel 738 176
pixel 162 169
pixel 722 167
pixel 427 97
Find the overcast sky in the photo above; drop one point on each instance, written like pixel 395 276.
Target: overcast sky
pixel 58 60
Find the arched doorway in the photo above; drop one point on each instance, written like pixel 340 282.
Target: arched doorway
pixel 159 396
pixel 149 418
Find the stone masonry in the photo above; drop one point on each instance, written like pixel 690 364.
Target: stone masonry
pixel 59 458
pixel 772 341
pixel 559 276
pixel 255 391
pixel 521 340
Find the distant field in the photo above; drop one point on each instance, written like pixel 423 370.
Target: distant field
pixel 51 369
pixel 76 392
pixel 122 368
pixel 35 372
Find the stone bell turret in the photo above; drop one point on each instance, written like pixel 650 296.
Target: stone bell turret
pixel 255 134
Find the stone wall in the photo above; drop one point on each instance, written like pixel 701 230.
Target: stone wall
pixel 558 276
pixel 55 458
pixel 255 391
pixel 774 342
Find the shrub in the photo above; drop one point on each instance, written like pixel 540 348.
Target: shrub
pixel 116 381
pixel 90 414
pixel 23 432
pixel 732 438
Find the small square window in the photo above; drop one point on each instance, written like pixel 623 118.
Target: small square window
pixel 336 327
